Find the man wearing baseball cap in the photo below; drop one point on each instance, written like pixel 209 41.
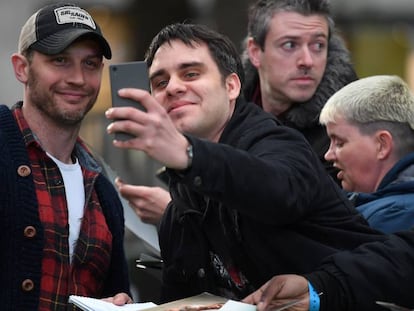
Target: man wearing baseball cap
pixel 61 218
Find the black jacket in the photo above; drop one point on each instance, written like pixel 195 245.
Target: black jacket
pixel 261 197
pixel 304 116
pixel 354 280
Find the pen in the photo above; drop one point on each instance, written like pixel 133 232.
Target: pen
pixel 392 306
pixel 291 303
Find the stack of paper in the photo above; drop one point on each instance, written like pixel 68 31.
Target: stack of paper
pixel 92 304
pixel 205 299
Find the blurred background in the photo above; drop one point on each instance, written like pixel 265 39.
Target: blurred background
pixel 379 34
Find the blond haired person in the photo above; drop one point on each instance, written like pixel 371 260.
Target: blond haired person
pixel 370 124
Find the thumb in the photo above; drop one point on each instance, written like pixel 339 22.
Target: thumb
pixel 119 182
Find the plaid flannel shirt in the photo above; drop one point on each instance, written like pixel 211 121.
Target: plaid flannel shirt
pixel 92 254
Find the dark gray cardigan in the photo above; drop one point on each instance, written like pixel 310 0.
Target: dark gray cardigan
pixel 22 257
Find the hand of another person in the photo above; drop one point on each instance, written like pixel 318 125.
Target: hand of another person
pixel 279 290
pixel 149 203
pixel 119 299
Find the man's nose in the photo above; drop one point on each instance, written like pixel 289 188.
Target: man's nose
pixel 76 75
pixel 305 58
pixel 175 85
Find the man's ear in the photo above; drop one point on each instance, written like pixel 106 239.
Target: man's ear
pixel 20 67
pixel 254 51
pixel 386 145
pixel 233 85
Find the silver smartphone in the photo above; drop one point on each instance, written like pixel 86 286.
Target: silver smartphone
pixel 124 75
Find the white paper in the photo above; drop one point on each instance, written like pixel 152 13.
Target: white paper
pixel 232 305
pixel 146 232
pixel 93 304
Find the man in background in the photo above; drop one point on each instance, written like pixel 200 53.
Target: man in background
pixel 294 61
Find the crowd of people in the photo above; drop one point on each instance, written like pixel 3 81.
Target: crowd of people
pixel 288 176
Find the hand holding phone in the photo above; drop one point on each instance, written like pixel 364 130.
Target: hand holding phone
pixel 127 75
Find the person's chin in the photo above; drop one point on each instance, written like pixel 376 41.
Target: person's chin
pixel 347 186
pixel 303 94
pixel 302 97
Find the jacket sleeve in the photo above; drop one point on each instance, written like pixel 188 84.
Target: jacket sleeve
pixel 378 271
pixel 271 165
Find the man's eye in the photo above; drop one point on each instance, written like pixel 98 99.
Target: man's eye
pixel 160 84
pixel 289 45
pixel 191 74
pixel 59 60
pixel 319 46
pixel 92 64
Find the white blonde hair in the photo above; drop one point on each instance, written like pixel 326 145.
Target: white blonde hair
pixel 374 103
pixel 371 99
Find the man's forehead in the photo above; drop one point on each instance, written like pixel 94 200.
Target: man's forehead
pixel 293 20
pixel 82 47
pixel 86 45
pixel 177 44
pixel 177 52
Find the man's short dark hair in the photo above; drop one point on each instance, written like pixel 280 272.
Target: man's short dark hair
pixel 221 47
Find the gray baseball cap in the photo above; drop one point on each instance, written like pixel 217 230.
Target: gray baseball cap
pixel 54 27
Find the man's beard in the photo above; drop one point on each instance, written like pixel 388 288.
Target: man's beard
pixel 49 108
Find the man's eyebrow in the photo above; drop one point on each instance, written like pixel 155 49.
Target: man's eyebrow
pixel 295 37
pixel 180 67
pixel 320 34
pixel 191 64
pixel 156 74
pixel 95 55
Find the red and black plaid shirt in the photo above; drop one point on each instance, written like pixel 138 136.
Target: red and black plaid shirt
pixel 92 253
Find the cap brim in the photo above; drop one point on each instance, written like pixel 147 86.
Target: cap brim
pixel 59 41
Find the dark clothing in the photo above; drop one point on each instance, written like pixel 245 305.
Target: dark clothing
pixel 391 207
pixel 354 280
pixel 259 199
pixel 305 116
pixel 22 239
